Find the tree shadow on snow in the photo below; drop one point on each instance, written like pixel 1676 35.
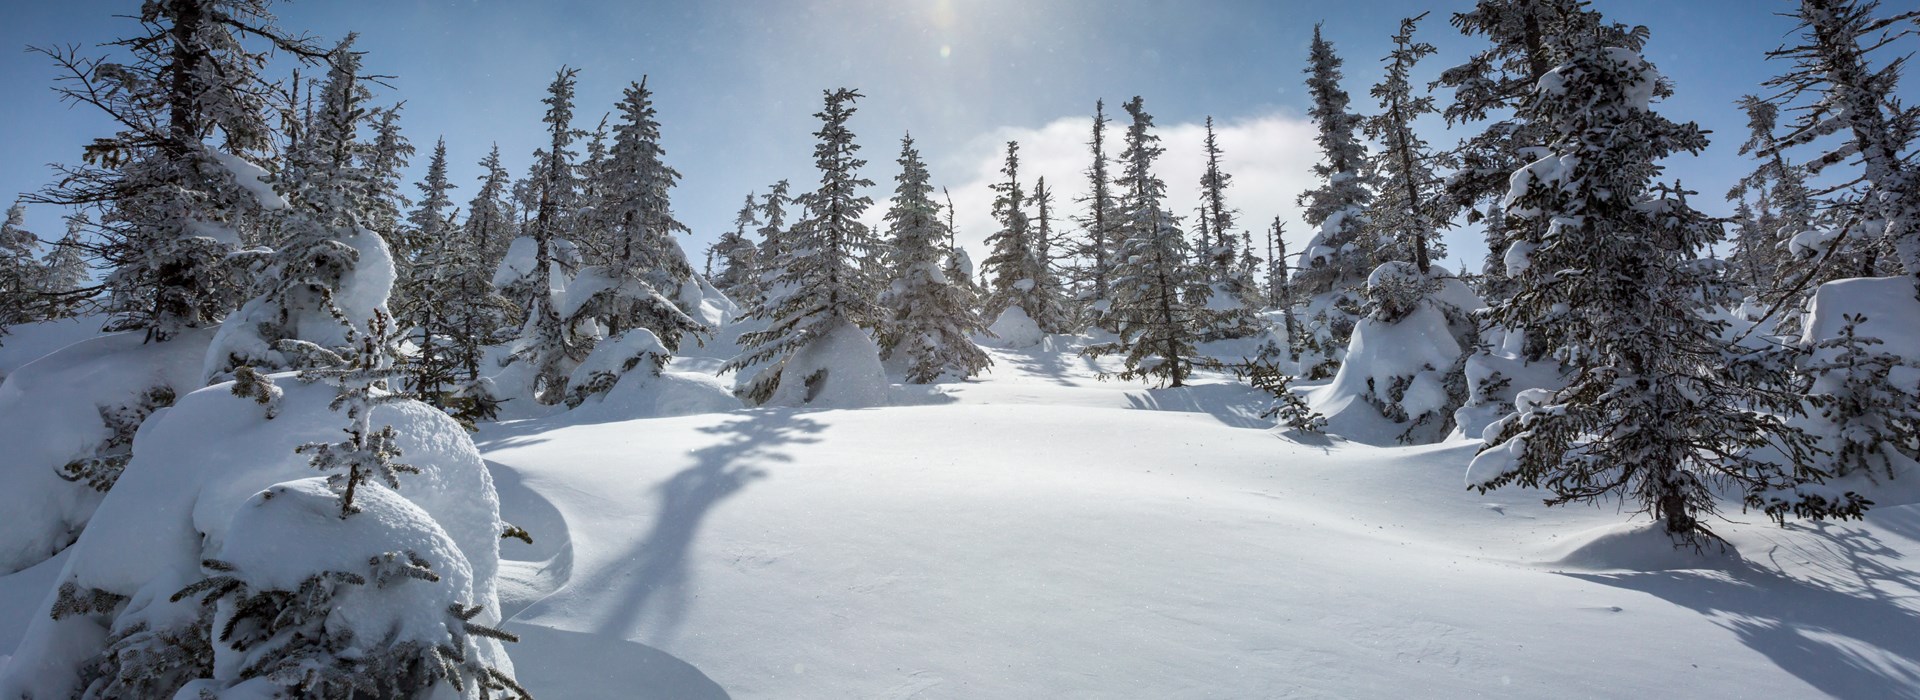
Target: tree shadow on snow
pixel 1235 405
pixel 554 663
pixel 1056 359
pixel 1850 633
pixel 655 577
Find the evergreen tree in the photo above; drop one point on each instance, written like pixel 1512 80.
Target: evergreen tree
pixel 1019 273
pixel 424 307
pixel 1157 325
pixel 739 258
pixel 1403 212
pixel 1774 205
pixel 773 237
pixel 169 202
pixel 931 321
pixel 312 284
pixel 643 263
pixel 1841 92
pixel 1526 39
pixel 1336 262
pixel 828 282
pixel 19 274
pixel 1229 288
pixel 1659 410
pixel 1101 224
pixel 66 280
pixel 550 345
pixel 490 217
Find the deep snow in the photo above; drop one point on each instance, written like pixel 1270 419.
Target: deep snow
pixel 1038 533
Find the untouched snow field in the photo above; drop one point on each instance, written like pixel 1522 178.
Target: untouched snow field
pixel 1037 533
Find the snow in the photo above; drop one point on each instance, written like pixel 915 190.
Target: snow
pixel 200 463
pixel 27 342
pixel 1015 329
pixel 360 292
pixel 253 179
pixel 517 266
pixel 1038 533
pixel 50 415
pixel 847 364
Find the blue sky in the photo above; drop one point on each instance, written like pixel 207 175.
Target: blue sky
pixel 736 82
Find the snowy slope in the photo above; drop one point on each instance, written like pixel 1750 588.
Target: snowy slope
pixel 1038 533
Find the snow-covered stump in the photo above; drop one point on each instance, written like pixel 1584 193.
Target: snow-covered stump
pixel 1402 379
pixel 216 489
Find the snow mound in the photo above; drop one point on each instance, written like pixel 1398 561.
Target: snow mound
pixel 196 466
pixel 1016 329
pixel 1638 546
pixel 517 267
pixel 670 393
pixel 27 342
pixel 361 291
pixel 51 413
pixel 839 369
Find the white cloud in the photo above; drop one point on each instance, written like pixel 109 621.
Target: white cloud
pixel 1270 158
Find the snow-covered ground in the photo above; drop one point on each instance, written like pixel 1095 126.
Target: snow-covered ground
pixel 1038 533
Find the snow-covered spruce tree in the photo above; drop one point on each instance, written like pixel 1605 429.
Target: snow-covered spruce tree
pixel 1229 291
pixel 66 281
pixel 815 349
pixel 1840 91
pixel 1156 323
pixel 1100 225
pixel 1526 38
pixel 930 319
pixel 1774 206
pixel 548 344
pixel 490 215
pixel 959 267
pixel 624 293
pixel 1280 288
pixel 19 272
pixel 1024 305
pixel 1870 422
pixel 424 307
pixel 1404 212
pixel 1659 410
pixel 1336 262
pixel 739 257
pixel 327 268
pixel 190 104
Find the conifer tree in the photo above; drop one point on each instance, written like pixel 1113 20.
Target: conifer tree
pixel 1336 262
pixel 1229 289
pixel 643 263
pixel 1403 212
pixel 184 93
pixel 739 258
pixel 827 283
pixel 1774 205
pixel 1157 325
pixel 1018 272
pixel 308 287
pixel 1100 224
pixel 550 345
pixel 65 279
pixel 424 308
pixel 490 217
pixel 1659 411
pixel 773 237
pixel 930 321
pixel 19 288
pixel 1842 92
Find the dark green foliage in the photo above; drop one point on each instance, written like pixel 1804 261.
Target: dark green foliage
pixel 101 469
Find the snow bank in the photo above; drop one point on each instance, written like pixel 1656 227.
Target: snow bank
pixel 244 339
pixel 624 378
pixel 1636 546
pixel 1398 381
pixel 839 369
pixel 27 342
pixel 198 472
pixel 51 414
pixel 1016 329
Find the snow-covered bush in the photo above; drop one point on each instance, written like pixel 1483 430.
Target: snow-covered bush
pixel 1404 360
pixel 1864 336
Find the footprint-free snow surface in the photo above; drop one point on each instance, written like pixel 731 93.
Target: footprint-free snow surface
pixel 1037 533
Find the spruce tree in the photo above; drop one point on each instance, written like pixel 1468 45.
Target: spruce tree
pixel 643 264
pixel 547 343
pixel 1230 290
pixel 1156 323
pixel 66 281
pixel 425 306
pixel 1337 260
pixel 930 318
pixel 739 258
pixel 1101 225
pixel 1403 212
pixel 1840 91
pixel 184 93
pixel 19 274
pixel 1773 206
pixel 827 282
pixel 1659 410
pixel 1019 273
